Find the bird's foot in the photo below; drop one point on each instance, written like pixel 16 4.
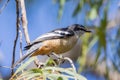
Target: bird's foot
pixel 60 59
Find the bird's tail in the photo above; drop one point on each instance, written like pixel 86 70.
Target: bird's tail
pixel 23 58
pixel 30 50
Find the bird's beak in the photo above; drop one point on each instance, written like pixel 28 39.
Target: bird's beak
pixel 88 31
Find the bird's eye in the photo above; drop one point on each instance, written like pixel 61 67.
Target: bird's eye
pixel 77 29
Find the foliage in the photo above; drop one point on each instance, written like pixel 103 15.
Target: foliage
pixel 46 72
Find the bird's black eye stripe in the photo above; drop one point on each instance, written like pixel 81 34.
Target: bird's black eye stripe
pixel 82 29
pixel 77 29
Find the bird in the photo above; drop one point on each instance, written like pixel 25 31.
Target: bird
pixel 57 41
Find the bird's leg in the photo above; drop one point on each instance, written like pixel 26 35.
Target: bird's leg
pixel 48 55
pixel 60 58
pixel 63 59
pixel 38 63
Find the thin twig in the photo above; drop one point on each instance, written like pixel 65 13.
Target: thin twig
pixel 17 33
pixel 66 58
pixel 71 63
pixel 24 21
pixel 3 7
pixel 20 6
pixel 6 67
pixel 21 53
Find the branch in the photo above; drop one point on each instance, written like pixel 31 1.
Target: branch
pixel 71 63
pixel 20 34
pixel 24 21
pixel 6 67
pixel 17 33
pixel 68 59
pixel 3 7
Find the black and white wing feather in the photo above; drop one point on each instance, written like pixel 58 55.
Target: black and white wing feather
pixel 55 34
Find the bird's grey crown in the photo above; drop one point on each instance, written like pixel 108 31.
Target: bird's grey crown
pixel 77 27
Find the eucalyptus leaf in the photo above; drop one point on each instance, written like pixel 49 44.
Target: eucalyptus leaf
pixel 93 13
pixel 78 8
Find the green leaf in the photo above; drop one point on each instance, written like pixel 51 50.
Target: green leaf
pixel 32 76
pixel 101 33
pixel 82 59
pixel 36 70
pixel 78 8
pixel 60 78
pixel 93 13
pixel 61 6
pixel 23 66
pixel 25 73
pixel 50 62
pixel 59 75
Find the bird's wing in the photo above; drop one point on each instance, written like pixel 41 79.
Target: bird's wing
pixel 55 34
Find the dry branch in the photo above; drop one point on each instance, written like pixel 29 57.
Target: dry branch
pixel 24 21
pixel 20 34
pixel 17 33
pixel 20 9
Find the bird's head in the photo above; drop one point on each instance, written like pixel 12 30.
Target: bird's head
pixel 79 29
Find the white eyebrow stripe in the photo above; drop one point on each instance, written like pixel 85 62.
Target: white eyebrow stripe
pixel 59 31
